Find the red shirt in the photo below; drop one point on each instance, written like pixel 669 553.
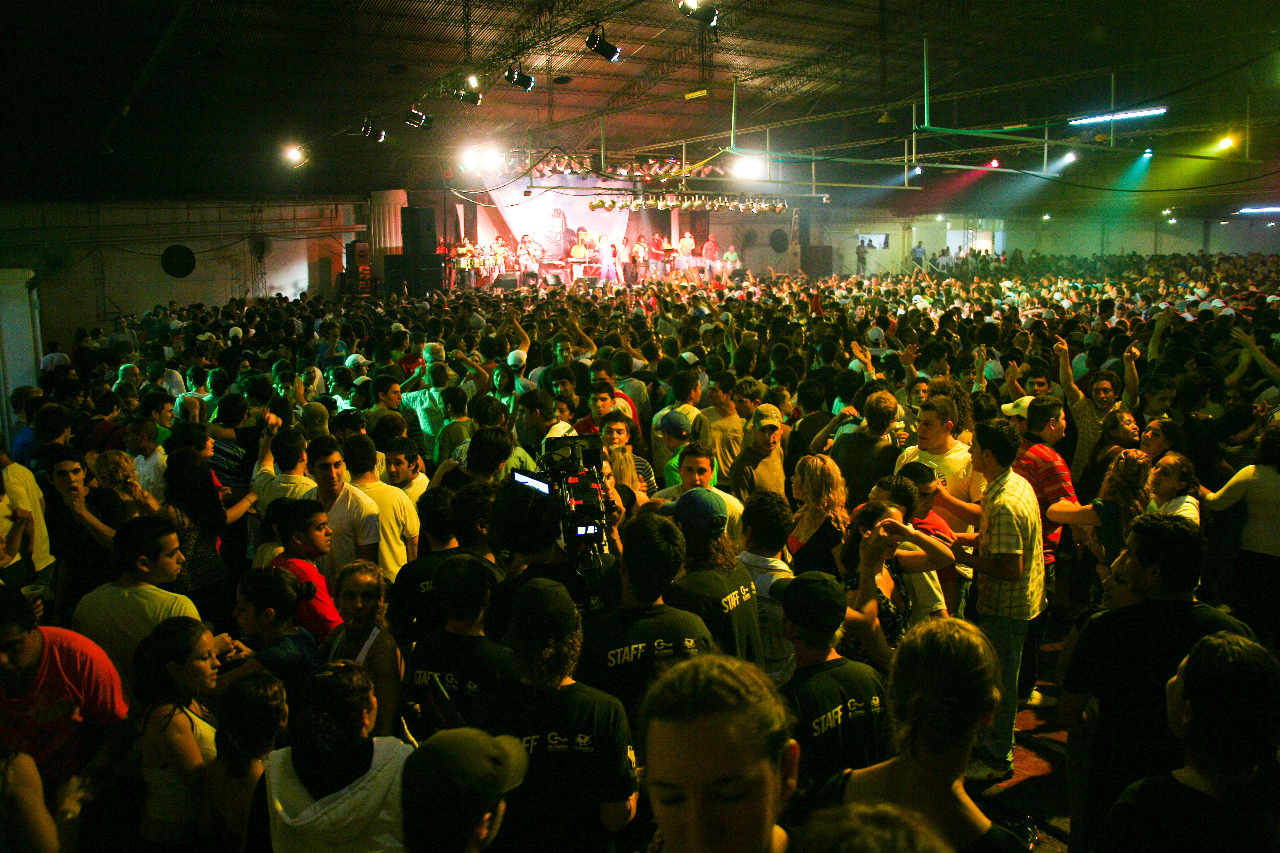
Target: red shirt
pixel 319 616
pixel 1050 478
pixel 937 527
pixel 61 720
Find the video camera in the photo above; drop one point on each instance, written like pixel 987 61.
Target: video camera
pixel 573 476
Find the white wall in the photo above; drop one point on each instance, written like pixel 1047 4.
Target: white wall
pixel 99 260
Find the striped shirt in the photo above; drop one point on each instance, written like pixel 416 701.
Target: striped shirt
pixel 1050 478
pixel 1010 524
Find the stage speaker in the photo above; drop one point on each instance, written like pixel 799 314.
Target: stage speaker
pixel 553 279
pixel 816 261
pixel 529 279
pixel 418 231
pixel 505 281
pixel 397 267
pixel 591 281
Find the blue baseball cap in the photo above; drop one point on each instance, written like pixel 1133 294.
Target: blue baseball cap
pixel 699 511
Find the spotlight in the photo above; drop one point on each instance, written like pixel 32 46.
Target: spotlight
pixel 469 96
pixel 705 14
pixel 516 77
pixel 596 42
pixel 473 82
pixel 611 204
pixel 662 203
pixel 995 164
pixel 1173 221
pixel 492 159
pixel 595 205
pixel 371 130
pixel 919 170
pixel 1167 211
pixel 686 204
pixel 734 205
pixel 296 155
pixel 938 218
pixel 636 204
pixel 1154 111
pixel 1147 153
pixel 1071 157
pixel 779 206
pixel 415 117
pixel 1226 142
pixel 1046 216
pixel 748 167
pixel 470 160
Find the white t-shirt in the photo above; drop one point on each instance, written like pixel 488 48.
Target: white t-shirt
pixel 1184 505
pixel 397 522
pixel 955 474
pixel 151 472
pixel 22 492
pixel 353 518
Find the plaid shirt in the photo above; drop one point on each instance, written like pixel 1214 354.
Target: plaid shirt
pixel 1050 478
pixel 1011 525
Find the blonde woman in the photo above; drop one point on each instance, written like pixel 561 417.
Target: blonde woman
pixel 624 471
pixel 115 470
pixel 820 526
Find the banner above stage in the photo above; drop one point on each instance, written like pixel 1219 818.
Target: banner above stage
pixel 553 217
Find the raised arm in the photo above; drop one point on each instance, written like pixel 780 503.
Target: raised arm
pixel 1130 395
pixel 1065 376
pixel 822 441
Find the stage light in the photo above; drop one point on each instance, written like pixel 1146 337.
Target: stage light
pixel 491 159
pixel 1046 216
pixel 733 205
pixel 1167 211
pixel 748 167
pixel 995 164
pixel 1128 114
pixel 1173 221
pixel 469 96
pixel 415 117
pixel 1071 157
pixel 470 160
pixel 516 77
pixel 919 170
pixel 1259 210
pixel 594 205
pixel 662 203
pixel 371 130
pixel 636 204
pixel 705 14
pixel 1147 153
pixel 686 204
pixel 597 44
pixel 473 82
pixel 1226 142
pixel 938 218
pixel 296 155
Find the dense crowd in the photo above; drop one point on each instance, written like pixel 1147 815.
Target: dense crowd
pixel 295 575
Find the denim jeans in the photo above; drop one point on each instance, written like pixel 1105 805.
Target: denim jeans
pixel 1007 636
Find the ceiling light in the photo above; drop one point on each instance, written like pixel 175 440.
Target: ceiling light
pixel 748 167
pixel 1167 211
pixel 705 13
pixel 1153 111
pixel 516 77
pixel 919 170
pixel 470 160
pixel 1147 153
pixel 296 155
pixel 995 164
pixel 1173 221
pixel 1259 210
pixel 1226 142
pixel 473 82
pixel 596 42
pixel 1071 157
pixel 1046 216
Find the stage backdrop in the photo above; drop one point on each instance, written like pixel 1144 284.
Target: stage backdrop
pixel 553 217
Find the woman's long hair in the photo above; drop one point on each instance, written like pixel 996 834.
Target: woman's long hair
pixel 188 486
pixel 330 712
pixel 172 641
pixel 944 678
pixel 253 712
pixel 822 488
pixel 1126 486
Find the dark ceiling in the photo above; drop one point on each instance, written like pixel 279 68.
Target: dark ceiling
pixel 197 99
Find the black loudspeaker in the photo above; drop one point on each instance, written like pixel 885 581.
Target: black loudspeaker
pixel 433 272
pixel 815 261
pixel 505 281
pixel 553 280
pixel 401 267
pixel 529 279
pixel 418 231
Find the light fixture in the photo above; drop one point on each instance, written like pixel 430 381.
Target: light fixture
pixel 594 205
pixel 469 96
pixel 1121 116
pixel 415 117
pixel 995 164
pixel 1173 221
pixel 1147 153
pixel 473 82
pixel 370 129
pixel 704 13
pixel 1226 142
pixel 748 167
pixel 470 160
pixel 938 218
pixel 596 43
pixel 918 170
pixel 1071 157
pixel 1046 216
pixel 1259 210
pixel 516 77
pixel 296 155
pixel 1167 211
